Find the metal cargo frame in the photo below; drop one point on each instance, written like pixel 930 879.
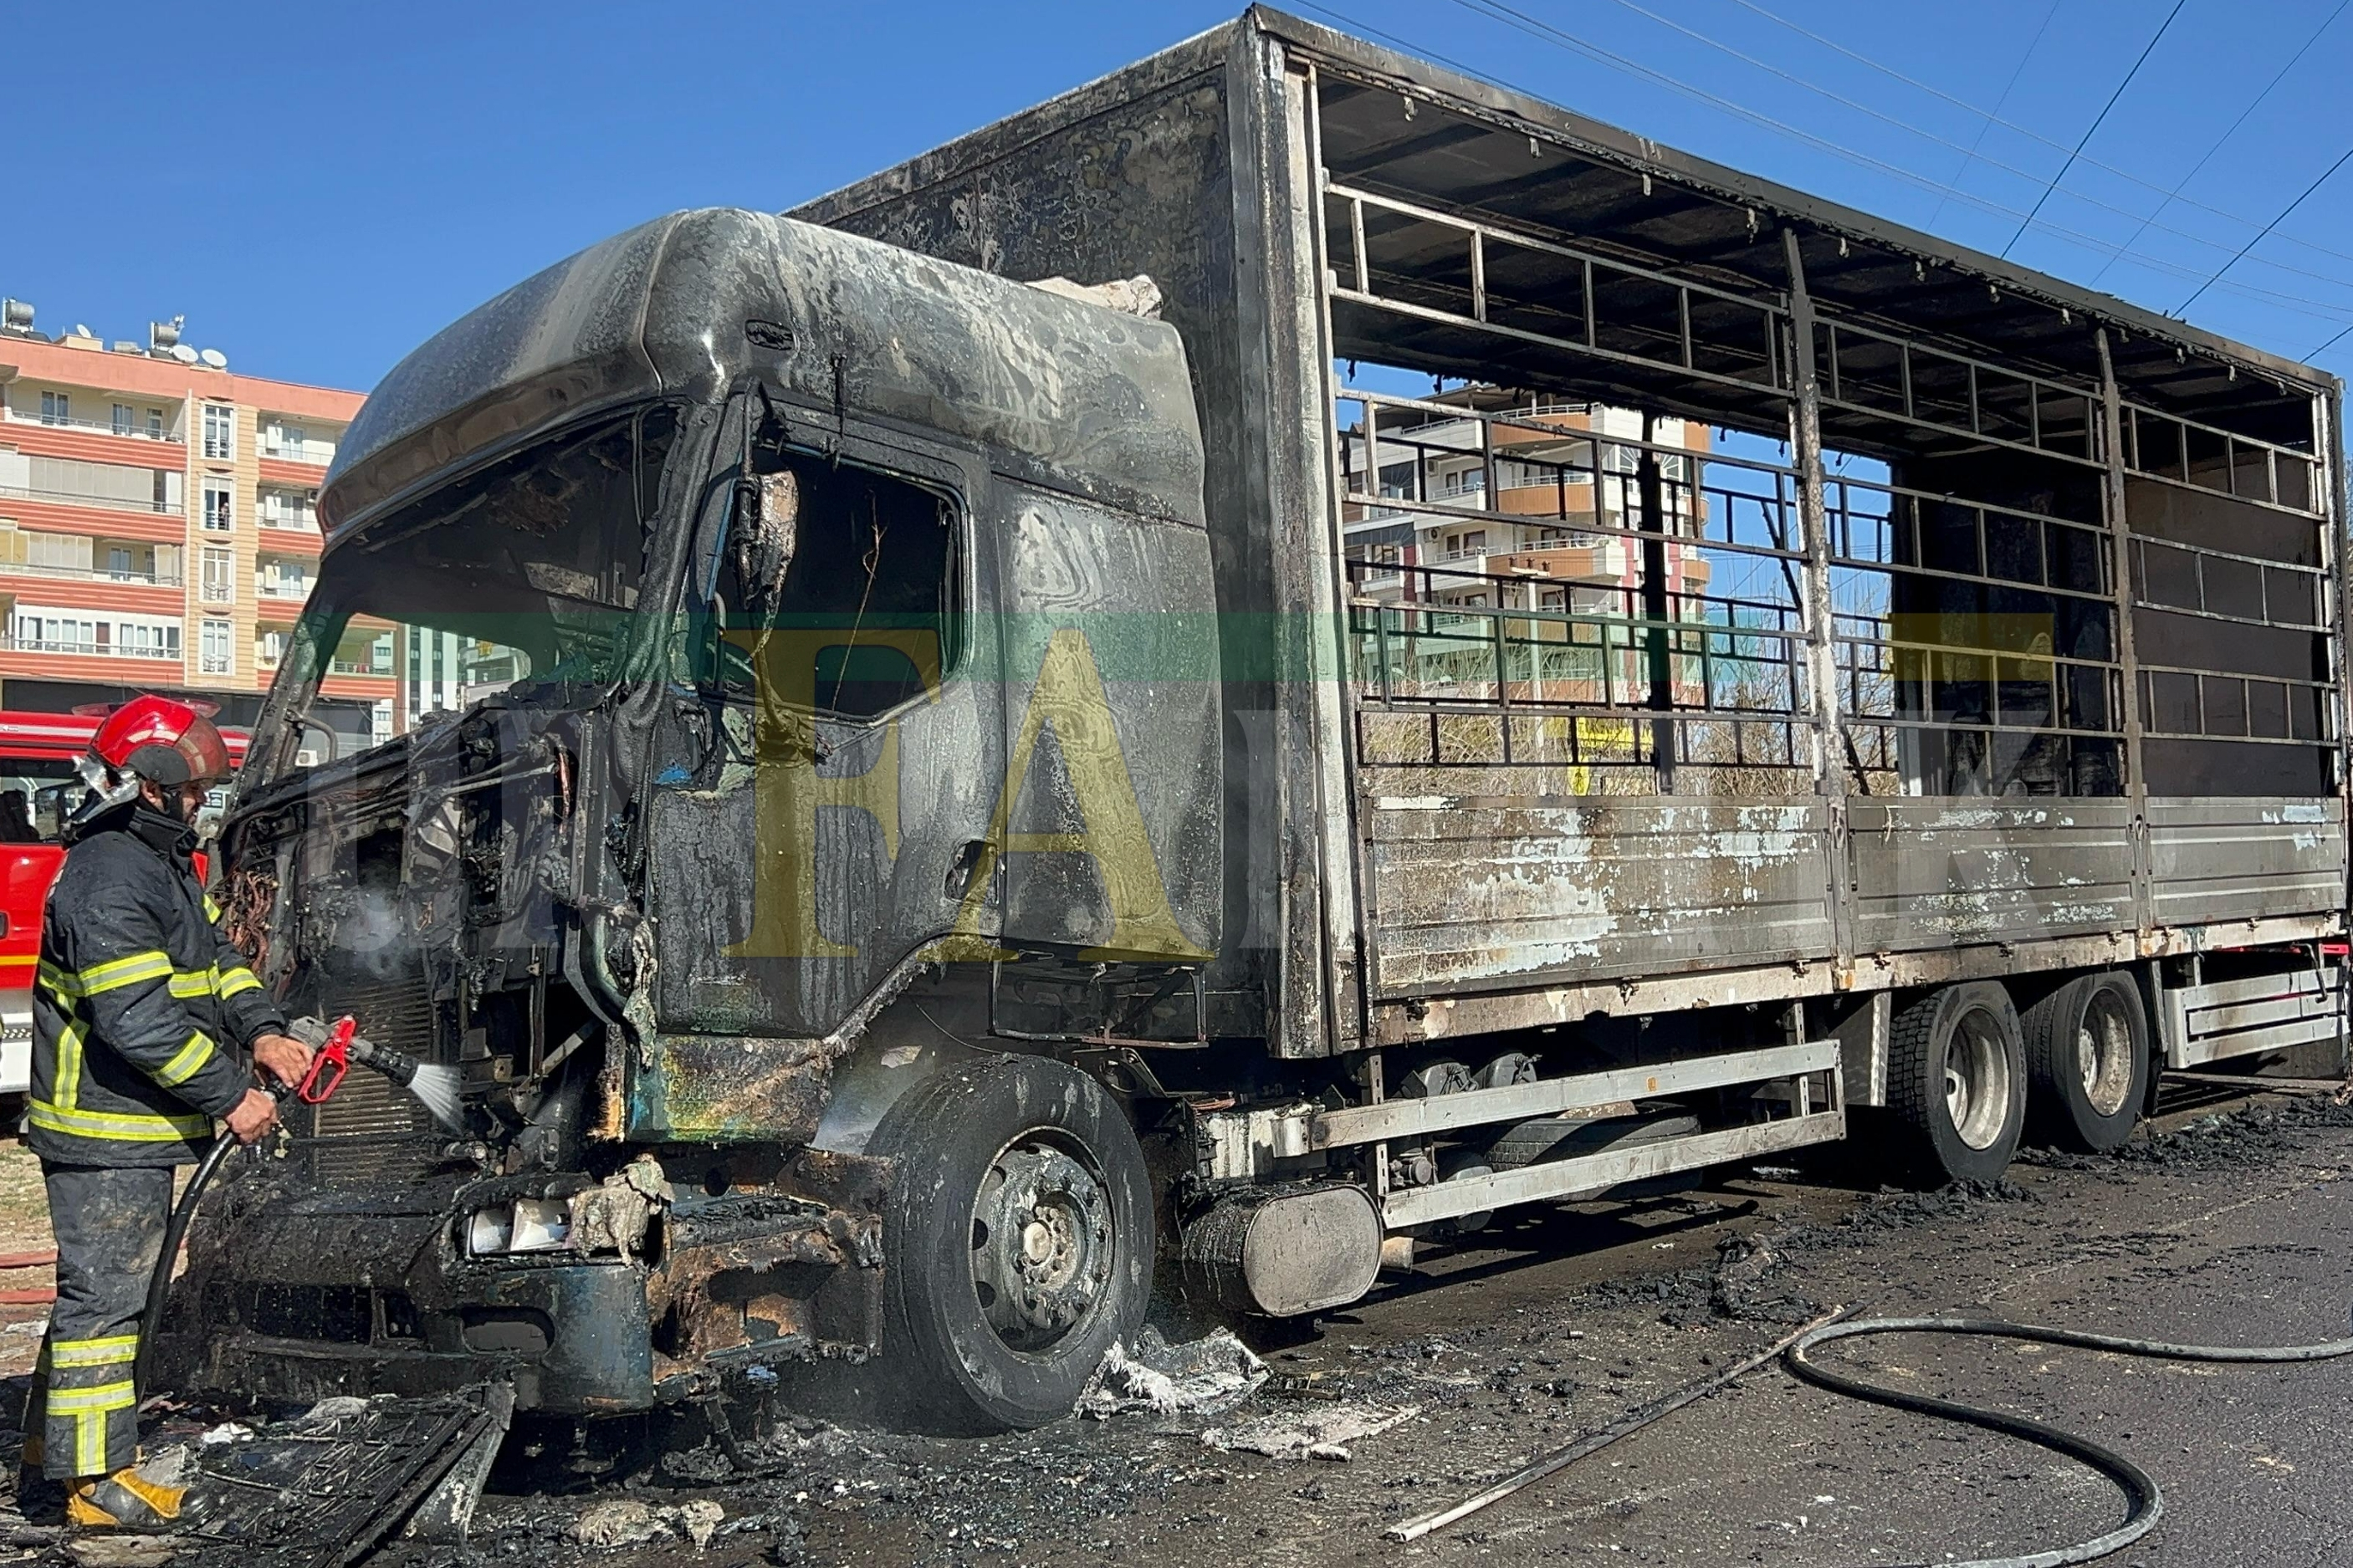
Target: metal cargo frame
pixel 1490 817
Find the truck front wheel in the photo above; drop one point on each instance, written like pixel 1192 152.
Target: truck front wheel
pixel 1018 1245
pixel 1956 1084
pixel 2087 1059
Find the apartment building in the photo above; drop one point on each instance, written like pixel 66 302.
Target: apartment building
pixel 1520 502
pixel 158 528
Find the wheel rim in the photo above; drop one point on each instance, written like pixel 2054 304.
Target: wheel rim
pixel 1976 1078
pixel 2104 1052
pixel 1042 1242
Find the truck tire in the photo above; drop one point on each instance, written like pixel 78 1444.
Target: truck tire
pixel 2087 1063
pixel 1956 1085
pixel 1568 1138
pixel 1017 1246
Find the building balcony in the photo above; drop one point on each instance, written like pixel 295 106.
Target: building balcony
pixel 101 503
pixel 93 575
pixel 88 649
pixel 129 429
pixel 312 454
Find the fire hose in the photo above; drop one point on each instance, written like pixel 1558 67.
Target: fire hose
pixel 2144 1498
pixel 340 1047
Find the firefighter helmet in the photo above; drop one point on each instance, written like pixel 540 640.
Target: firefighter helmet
pixel 156 738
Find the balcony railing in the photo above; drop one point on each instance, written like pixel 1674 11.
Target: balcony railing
pixel 104 427
pixel 295 591
pixel 320 453
pixel 94 574
pixel 110 504
pixel 86 649
pixel 291 522
pixel 346 667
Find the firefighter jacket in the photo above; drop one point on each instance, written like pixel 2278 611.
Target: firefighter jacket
pixel 142 1007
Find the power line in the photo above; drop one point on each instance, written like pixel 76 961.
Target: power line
pixel 1990 119
pixel 2145 221
pixel 2291 206
pixel 2207 157
pixel 1496 11
pixel 2096 121
pixel 2084 158
pixel 2331 343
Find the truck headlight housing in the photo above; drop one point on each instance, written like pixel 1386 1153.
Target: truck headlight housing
pixel 520 1224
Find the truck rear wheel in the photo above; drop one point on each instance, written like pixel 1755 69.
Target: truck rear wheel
pixel 1956 1084
pixel 2087 1062
pixel 1019 1243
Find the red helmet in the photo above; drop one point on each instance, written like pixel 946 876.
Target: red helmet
pixel 162 740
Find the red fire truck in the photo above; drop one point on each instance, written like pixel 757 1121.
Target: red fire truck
pixel 36 763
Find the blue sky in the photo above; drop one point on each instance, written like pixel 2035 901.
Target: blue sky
pixel 319 188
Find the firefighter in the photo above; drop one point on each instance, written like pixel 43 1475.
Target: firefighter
pixel 147 1027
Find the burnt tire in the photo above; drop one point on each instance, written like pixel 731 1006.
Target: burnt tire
pixel 1017 1247
pixel 1956 1085
pixel 2087 1063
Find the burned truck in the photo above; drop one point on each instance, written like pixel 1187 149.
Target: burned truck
pixel 1209 686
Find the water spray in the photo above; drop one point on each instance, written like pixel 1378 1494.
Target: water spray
pixel 434 1085
pixel 333 1049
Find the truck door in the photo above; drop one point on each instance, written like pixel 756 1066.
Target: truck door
pixel 1108 823
pixel 826 826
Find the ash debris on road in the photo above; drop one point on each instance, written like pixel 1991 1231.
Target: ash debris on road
pixel 1539 1336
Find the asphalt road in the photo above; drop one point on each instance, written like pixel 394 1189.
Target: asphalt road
pixel 2227 1226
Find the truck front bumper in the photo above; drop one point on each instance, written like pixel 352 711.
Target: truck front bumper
pixel 296 1296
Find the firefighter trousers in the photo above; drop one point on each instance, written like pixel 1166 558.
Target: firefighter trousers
pixel 110 1225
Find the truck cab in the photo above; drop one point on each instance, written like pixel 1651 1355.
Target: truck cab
pixel 816 657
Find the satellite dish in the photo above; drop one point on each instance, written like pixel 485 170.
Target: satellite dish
pixel 81 331
pixel 183 353
pixel 215 358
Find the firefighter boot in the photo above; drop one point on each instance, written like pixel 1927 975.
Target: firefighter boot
pixel 125 1498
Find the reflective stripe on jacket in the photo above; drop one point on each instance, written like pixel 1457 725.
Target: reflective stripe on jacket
pixel 141 1006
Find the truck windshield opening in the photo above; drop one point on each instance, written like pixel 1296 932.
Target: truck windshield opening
pixel 527 570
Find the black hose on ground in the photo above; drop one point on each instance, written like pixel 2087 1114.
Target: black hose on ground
pixel 159 1284
pixel 2144 1500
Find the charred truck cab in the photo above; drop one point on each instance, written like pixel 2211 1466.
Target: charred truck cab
pixel 730 569
pixel 924 805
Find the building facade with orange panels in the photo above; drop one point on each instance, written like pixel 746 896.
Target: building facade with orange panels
pixel 158 526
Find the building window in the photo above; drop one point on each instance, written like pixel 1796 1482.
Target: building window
pixel 56 408
pixel 217 585
pixel 212 651
pixel 220 513
pixel 154 425
pixel 126 419
pixel 285 579
pixel 144 639
pixel 220 431
pixel 1472 542
pixel 290 508
pixel 119 562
